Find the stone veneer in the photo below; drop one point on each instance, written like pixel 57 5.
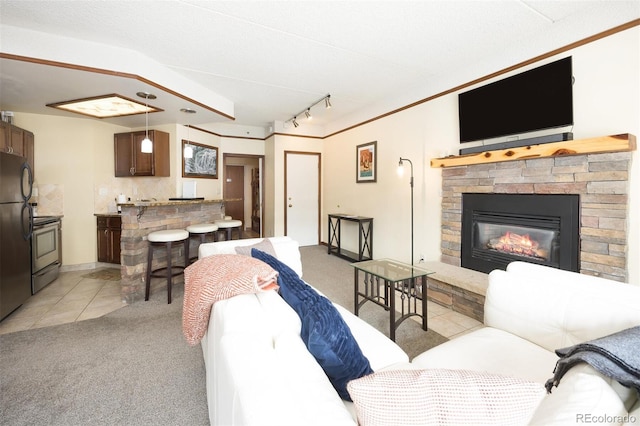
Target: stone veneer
pixel 133 241
pixel 601 180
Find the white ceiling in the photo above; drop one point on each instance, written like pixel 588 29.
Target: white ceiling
pixel 262 62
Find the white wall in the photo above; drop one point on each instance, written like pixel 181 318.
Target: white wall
pixel 74 166
pixel 76 155
pixel 607 102
pixel 72 156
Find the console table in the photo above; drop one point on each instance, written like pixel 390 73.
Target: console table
pixel 365 237
pixel 385 279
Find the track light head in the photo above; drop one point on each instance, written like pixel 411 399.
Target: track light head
pixel 307 112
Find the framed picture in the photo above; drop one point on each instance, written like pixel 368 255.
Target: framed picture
pixel 366 162
pixel 199 161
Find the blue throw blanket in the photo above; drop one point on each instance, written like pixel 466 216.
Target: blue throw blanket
pixel 616 356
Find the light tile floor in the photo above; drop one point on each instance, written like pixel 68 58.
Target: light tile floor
pixel 74 297
pixel 448 323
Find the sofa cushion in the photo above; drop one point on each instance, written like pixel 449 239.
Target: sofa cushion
pixel 492 350
pixel 263 245
pixel 408 397
pixel 554 308
pixel 325 333
pixel 583 396
pixel 287 249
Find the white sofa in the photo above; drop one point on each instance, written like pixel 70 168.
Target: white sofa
pixel 530 311
pixel 260 373
pixel 258 369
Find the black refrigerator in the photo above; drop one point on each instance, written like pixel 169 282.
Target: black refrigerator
pixel 16 182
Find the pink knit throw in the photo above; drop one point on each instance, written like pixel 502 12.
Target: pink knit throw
pixel 219 277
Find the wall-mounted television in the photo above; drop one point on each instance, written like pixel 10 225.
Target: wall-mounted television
pixel 537 99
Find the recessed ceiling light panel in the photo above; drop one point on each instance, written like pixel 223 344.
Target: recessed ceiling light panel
pixel 105 106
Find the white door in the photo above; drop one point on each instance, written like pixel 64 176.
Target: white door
pixel 302 197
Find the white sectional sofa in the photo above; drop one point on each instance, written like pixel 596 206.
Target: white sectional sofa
pixel 259 371
pixel 529 312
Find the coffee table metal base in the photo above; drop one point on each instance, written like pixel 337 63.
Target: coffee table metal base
pixel 386 282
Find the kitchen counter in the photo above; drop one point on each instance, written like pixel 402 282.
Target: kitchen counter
pixel 155 203
pixel 139 218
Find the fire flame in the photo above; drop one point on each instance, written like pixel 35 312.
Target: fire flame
pixel 516 244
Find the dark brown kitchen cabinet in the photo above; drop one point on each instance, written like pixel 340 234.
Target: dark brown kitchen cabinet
pixel 131 161
pixel 17 141
pixel 109 232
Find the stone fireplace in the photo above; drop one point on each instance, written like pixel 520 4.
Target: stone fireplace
pixel 600 181
pixel 498 229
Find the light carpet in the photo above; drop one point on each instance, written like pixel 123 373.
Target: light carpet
pixel 133 366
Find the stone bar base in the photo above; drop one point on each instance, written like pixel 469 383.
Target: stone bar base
pixel 139 219
pixel 460 289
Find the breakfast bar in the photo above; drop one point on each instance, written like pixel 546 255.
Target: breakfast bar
pixel 139 218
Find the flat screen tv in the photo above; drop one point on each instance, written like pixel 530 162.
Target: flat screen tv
pixel 537 99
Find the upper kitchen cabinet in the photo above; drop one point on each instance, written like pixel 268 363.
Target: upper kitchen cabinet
pixel 131 161
pixel 17 141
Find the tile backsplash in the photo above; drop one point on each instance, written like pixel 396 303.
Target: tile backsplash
pixel 135 189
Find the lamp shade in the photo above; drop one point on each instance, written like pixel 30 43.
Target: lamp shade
pixel 146 146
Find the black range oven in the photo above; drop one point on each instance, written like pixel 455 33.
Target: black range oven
pixel 46 252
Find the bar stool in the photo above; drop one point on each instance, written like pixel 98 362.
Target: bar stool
pixel 202 230
pixel 166 238
pixel 229 226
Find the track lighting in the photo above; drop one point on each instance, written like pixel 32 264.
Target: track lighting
pixel 307 111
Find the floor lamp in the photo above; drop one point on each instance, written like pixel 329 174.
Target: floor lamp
pixel 400 173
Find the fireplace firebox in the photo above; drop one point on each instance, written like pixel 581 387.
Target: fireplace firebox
pixel 539 228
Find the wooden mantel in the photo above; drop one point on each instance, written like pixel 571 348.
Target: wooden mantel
pixel 614 143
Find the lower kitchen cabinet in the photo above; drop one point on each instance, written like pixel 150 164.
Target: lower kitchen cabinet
pixel 109 231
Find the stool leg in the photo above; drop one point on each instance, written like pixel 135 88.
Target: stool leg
pixel 229 236
pixel 187 259
pixel 169 269
pixel 148 278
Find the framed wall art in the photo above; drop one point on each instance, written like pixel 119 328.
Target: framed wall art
pixel 199 161
pixel 366 162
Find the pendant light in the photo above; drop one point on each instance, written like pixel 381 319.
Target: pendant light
pixel 188 149
pixel 147 145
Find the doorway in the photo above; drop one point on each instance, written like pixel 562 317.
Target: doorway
pixel 243 180
pixel 302 197
pixel 234 191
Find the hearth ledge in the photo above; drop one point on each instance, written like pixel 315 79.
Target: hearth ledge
pixel 459 289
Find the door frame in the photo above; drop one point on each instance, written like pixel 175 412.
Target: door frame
pixel 319 155
pixel 261 164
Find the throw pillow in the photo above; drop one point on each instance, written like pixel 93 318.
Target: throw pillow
pixel 441 396
pixel 215 278
pixel 263 245
pixel 293 289
pixel 324 332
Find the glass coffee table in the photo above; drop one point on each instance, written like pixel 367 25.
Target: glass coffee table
pixel 385 279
